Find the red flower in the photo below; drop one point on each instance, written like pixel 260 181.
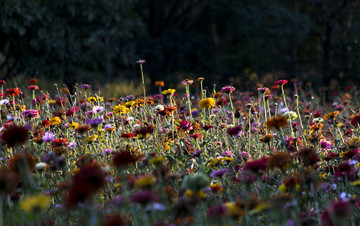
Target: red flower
pixel 13 92
pixel 127 135
pixel 256 165
pixel 125 158
pixel 15 135
pixel 2 82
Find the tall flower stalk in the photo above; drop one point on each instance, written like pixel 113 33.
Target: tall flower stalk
pixel 141 62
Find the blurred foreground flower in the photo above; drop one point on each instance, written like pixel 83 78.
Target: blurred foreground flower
pixel 35 203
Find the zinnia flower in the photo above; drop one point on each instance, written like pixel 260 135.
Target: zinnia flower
pixel 277 122
pixel 228 89
pixel 207 103
pixel 55 121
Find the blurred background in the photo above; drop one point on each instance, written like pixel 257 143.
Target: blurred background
pixel 237 42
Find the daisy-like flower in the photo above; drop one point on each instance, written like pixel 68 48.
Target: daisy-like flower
pixel 97 109
pixel 120 109
pixel 91 139
pixel 331 115
pixel 187 82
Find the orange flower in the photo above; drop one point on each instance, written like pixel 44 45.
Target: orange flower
pixel 159 83
pixel 316 127
pixel 13 92
pixel 277 122
pixel 331 115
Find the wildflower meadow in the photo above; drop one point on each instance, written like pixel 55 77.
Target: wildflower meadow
pixel 276 155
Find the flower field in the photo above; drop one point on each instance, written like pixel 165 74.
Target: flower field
pixel 274 156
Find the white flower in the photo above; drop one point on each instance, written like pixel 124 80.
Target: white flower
pixel 3 102
pixel 290 115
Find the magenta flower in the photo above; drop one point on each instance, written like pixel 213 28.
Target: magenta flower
pixel 280 82
pixel 228 89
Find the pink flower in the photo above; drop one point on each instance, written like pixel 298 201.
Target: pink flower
pixel 140 62
pixel 228 89
pixel 34 87
pixel 280 82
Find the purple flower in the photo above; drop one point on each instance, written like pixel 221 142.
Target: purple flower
pixel 143 197
pixel 325 144
pixel 185 96
pixel 86 86
pixel 94 122
pixel 48 137
pixel 107 151
pixel 234 131
pixel 72 145
pixel 30 114
pixel 219 173
pixel 227 153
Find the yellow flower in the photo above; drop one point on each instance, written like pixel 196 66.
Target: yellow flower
pixel 355 183
pixel 74 125
pixel 166 146
pixel 207 103
pixel 90 139
pixel 234 210
pixel 145 182
pixel 55 121
pixel 51 101
pixel 189 193
pixel 157 160
pixel 169 91
pixel 282 188
pixel 35 203
pixel 129 104
pixel 120 109
pixel 94 99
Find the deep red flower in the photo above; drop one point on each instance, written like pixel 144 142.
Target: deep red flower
pixel 127 135
pixel 256 165
pixel 124 158
pixel 15 135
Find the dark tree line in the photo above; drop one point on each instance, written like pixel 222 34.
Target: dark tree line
pixel 316 39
